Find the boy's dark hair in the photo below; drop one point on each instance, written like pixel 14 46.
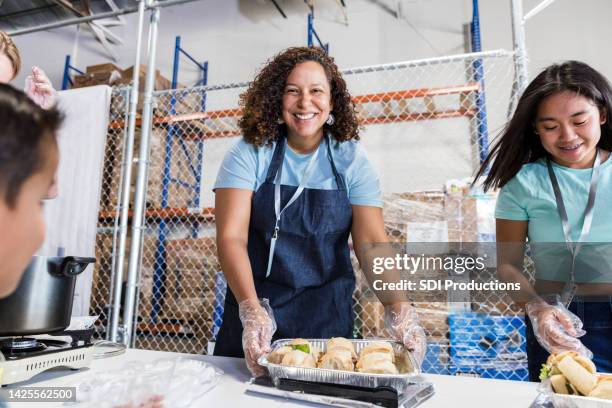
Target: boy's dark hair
pixel 518 144
pixel 24 127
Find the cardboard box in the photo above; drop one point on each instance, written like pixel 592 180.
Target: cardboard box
pixel 192 268
pixel 179 196
pixel 105 252
pixel 97 78
pixel 106 67
pixel 461 216
pixel 433 318
pixel 184 155
pixel 372 318
pixel 111 172
pixel 417 208
pixel 161 82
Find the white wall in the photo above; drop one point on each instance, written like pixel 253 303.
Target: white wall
pixel 238 36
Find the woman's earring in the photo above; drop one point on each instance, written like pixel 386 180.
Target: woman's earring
pixel 280 121
pixel 330 119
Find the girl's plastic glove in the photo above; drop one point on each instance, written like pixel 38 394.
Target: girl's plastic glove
pixel 258 327
pixel 556 328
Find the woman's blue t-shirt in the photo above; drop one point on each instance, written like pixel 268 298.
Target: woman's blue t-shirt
pixel 245 166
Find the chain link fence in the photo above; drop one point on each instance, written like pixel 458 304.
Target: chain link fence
pixel 107 238
pixel 425 126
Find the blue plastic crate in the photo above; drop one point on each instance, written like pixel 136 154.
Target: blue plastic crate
pixel 488 346
pixel 436 359
pixel 516 371
pixel 481 336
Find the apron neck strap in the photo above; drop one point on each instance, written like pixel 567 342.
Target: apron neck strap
pixel 339 179
pixel 279 154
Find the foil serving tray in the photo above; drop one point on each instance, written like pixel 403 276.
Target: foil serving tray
pixel 404 360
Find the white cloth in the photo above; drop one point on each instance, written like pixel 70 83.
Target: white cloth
pixel 72 217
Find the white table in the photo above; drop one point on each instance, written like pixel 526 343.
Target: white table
pixel 449 391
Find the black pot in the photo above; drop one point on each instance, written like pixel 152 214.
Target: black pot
pixel 42 302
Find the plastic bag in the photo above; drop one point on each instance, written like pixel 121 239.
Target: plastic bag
pixel 168 382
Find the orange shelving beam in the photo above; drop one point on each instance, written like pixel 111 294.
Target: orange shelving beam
pixel 207 214
pixel 360 99
pixel 166 213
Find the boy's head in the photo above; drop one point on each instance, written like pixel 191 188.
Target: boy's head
pixel 28 161
pixel 10 61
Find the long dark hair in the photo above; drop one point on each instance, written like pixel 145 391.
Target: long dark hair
pixel 518 143
pixel 262 102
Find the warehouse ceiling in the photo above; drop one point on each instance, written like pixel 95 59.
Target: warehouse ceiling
pixel 20 14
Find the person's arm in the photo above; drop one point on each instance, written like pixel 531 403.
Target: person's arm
pixel 368 231
pixel 369 241
pixel 555 327
pixel 232 215
pixel 511 237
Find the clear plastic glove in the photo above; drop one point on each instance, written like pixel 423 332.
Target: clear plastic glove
pixel 402 321
pixel 556 328
pixel 38 87
pixel 258 327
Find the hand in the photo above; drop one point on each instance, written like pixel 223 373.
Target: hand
pixel 155 401
pixel 402 321
pixel 556 328
pixel 38 87
pixel 258 327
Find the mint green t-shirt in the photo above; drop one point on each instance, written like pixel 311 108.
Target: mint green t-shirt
pixel 529 196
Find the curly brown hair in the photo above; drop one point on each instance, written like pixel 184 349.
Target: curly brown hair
pixel 262 102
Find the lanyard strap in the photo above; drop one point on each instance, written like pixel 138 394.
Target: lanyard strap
pixel 277 197
pixel 570 288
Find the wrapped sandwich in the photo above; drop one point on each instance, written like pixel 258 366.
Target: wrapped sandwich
pixel 340 343
pixel 298 353
pixel 376 363
pixel 573 374
pixel 276 357
pixel 298 358
pixel 339 355
pixel 377 358
pixel 337 359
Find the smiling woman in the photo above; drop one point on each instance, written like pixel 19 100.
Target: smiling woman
pixel 306 106
pixel 552 164
pixel 288 195
pixel 569 126
pixel 264 102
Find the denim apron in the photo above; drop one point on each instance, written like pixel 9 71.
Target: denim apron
pixel 311 280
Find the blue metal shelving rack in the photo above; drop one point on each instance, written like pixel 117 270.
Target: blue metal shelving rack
pixel 66 80
pixel 478 72
pixel 312 33
pixel 174 132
